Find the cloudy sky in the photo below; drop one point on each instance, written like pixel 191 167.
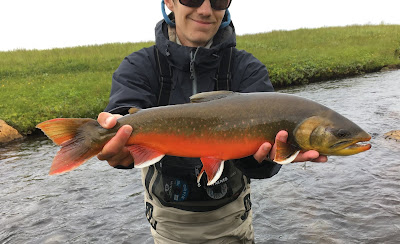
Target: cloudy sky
pixel 44 24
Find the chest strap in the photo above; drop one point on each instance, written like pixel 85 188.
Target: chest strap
pixel 223 77
pixel 165 78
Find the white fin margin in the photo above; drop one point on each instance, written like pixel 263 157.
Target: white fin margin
pixel 217 175
pixel 149 162
pixel 289 159
pixel 199 177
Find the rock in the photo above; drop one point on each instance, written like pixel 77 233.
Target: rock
pixel 394 134
pixel 7 133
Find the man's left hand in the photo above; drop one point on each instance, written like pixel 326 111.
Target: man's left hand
pixel 267 149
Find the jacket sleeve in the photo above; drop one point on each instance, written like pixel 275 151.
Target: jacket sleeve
pixel 131 83
pixel 250 75
pixel 255 170
pixel 131 86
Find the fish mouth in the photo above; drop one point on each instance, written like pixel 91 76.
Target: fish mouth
pixel 350 147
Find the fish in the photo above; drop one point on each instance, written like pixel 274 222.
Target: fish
pixel 215 126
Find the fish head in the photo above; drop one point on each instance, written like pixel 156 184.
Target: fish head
pixel 331 135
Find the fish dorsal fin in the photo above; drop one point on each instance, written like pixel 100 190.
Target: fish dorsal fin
pixel 209 96
pixel 133 110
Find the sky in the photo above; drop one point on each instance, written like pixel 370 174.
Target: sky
pixel 46 24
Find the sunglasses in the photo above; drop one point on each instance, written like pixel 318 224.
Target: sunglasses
pixel 215 4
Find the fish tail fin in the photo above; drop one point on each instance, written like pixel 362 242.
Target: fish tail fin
pixel 76 147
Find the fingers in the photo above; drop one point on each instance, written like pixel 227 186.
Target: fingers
pixel 310 155
pixel 116 144
pixel 115 151
pixel 281 136
pixel 124 158
pixel 307 156
pixel 320 159
pixel 263 152
pixel 266 148
pixel 107 120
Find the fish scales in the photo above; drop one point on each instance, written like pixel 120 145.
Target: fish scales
pixel 215 127
pixel 224 118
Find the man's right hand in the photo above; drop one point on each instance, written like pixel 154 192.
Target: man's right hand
pixel 115 152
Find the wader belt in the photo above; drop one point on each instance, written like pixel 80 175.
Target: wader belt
pixel 173 182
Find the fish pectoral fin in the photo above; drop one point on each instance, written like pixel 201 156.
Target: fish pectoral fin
pixel 209 96
pixel 213 168
pixel 285 153
pixel 144 156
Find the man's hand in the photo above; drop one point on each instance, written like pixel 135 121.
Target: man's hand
pixel 282 135
pixel 115 151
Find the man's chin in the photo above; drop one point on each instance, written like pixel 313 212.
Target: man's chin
pixel 201 40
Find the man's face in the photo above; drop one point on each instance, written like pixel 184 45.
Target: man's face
pixel 195 26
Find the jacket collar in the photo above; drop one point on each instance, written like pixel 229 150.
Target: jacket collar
pixel 178 56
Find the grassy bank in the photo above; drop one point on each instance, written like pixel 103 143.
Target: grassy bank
pixel 75 82
pixel 304 55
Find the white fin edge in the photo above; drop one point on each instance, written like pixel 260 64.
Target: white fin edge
pixel 149 162
pixel 288 160
pixel 217 175
pixel 199 177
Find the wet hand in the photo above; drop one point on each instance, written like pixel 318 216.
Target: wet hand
pixel 115 152
pixel 267 149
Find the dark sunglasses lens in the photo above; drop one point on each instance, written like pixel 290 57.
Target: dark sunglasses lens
pixel 192 3
pixel 220 4
pixel 215 4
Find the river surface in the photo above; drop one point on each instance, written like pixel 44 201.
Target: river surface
pixel 353 199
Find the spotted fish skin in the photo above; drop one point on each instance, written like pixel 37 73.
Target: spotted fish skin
pixel 215 127
pixel 230 127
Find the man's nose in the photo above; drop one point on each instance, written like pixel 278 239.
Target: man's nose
pixel 205 8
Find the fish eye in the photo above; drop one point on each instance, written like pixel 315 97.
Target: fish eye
pixel 342 133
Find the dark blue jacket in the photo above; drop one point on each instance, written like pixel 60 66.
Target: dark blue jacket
pixel 136 84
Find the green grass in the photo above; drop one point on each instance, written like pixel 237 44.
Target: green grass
pixel 75 82
pixel 72 82
pixel 309 55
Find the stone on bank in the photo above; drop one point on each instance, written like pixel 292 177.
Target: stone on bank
pixel 7 133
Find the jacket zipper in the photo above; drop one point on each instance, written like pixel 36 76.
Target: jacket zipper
pixel 193 76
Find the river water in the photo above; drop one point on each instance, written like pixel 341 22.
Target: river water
pixel 353 199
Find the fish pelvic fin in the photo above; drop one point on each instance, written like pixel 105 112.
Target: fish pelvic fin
pixel 144 156
pixel 285 153
pixel 213 168
pixel 75 149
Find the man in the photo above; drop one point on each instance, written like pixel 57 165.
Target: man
pixel 192 40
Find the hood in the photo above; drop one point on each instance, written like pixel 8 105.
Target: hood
pixel 178 56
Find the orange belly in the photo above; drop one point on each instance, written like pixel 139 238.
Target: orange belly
pixel 204 146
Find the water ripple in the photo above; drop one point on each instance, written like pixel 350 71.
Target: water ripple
pixel 347 200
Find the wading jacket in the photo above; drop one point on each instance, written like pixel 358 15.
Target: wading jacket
pixel 136 84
